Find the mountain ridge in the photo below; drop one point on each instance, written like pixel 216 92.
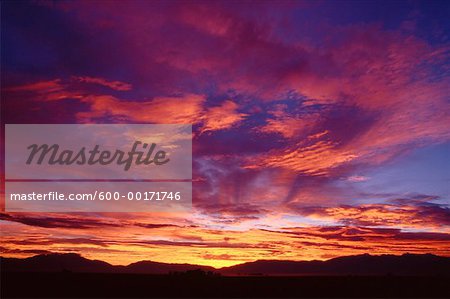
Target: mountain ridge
pixel 364 264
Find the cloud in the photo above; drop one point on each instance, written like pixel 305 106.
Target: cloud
pixel 4 250
pixel 315 159
pixel 183 109
pixel 59 241
pixel 115 85
pixel 39 87
pixel 213 245
pixel 407 216
pixel 288 125
pixel 57 222
pixel 53 90
pixel 164 110
pixel 155 225
pixel 357 178
pixel 229 213
pixel 222 117
pixel 224 256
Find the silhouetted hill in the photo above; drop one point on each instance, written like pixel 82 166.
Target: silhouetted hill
pixel 407 264
pixel 55 262
pixel 72 262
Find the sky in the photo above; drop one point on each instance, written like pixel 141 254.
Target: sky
pixel 320 128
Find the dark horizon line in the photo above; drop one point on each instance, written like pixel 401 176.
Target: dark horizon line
pixel 225 267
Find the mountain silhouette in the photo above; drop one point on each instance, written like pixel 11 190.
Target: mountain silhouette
pixel 72 262
pixel 55 262
pixel 406 264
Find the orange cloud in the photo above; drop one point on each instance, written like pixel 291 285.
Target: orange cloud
pixel 222 117
pixel 216 247
pixel 165 110
pixel 170 110
pixel 53 90
pixel 316 159
pixel 290 126
pixel 184 109
pixel 404 216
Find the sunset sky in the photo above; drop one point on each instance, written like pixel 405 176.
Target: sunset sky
pixel 320 128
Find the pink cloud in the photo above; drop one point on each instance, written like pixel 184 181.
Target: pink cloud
pixel 314 159
pixel 222 117
pixel 115 85
pixel 289 125
pixel 184 109
pixel 387 215
pixel 357 178
pixel 188 108
pixel 39 87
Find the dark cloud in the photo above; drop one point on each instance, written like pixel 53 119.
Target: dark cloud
pixel 70 222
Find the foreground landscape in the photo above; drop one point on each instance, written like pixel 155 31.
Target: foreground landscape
pixel 70 275
pixel 97 285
